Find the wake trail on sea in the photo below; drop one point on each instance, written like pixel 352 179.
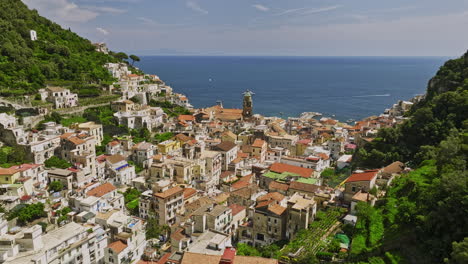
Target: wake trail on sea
pixel 372 95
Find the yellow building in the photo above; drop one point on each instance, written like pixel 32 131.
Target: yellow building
pixel 8 176
pixel 169 146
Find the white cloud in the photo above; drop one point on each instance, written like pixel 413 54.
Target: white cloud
pixel 290 11
pixel 146 20
pixel 307 10
pixel 62 10
pixel 320 10
pixel 105 9
pixel 102 31
pixel 196 7
pixel 261 8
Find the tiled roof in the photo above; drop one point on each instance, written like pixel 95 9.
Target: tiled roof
pixel 113 143
pixel 278 186
pixel 305 187
pixel 364 176
pixel 245 192
pixel 115 158
pixel 169 192
pixel 117 246
pixel 192 258
pixel 236 208
pixel 9 171
pixel 323 156
pixel 76 140
pixel 101 190
pixel 276 196
pixel 183 138
pixel 186 118
pixel 281 167
pixel 225 146
pixel 226 174
pixel 258 143
pixel 26 166
pixel 189 192
pixel 277 209
pixel 243 182
pixel 395 167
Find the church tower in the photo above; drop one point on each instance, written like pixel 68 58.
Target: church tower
pixel 247 106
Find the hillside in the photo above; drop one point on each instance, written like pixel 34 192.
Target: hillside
pixel 423 218
pixel 59 56
pixel 445 108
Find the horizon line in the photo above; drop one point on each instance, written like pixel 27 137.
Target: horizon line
pixel 314 56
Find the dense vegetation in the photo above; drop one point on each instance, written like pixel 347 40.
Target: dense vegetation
pixel 444 108
pixel 56 162
pixel 27 212
pixel 424 213
pixel 57 57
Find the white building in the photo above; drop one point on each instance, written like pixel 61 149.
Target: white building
pixel 71 243
pixel 61 97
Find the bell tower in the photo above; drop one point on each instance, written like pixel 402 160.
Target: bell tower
pixel 247 105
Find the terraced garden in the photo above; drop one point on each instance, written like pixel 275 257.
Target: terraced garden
pixel 310 241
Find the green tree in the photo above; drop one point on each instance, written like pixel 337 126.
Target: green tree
pixel 134 58
pixel 459 253
pixel 56 162
pixel 121 56
pixel 56 186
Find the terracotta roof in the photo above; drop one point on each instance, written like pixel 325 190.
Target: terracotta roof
pixel 271 196
pixel 189 192
pixel 225 146
pixel 117 246
pixel 304 141
pixel 281 167
pixel 236 208
pixel 192 258
pixel 254 260
pixel 101 190
pixel 183 138
pixel 245 192
pixel 305 187
pixel 225 174
pixel 115 158
pixel 178 235
pixel 323 156
pixel 66 135
pixel 243 182
pixel 278 186
pixel 76 140
pixel 368 175
pixel 277 209
pixel 113 143
pixel 258 143
pixel 26 166
pixel 9 171
pixel 243 155
pixel 264 203
pixel 186 118
pixel 169 192
pixel 395 167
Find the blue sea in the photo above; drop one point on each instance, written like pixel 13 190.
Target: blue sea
pixel 343 87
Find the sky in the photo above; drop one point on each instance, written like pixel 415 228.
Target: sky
pixel 267 27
